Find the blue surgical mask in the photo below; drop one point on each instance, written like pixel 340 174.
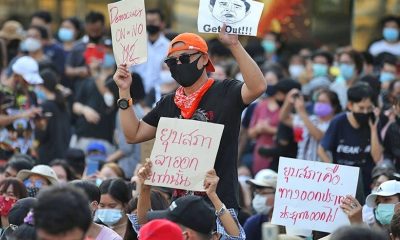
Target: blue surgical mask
pixel 108 61
pixel 346 71
pixel 384 213
pixel 66 34
pixel 386 77
pixel 109 216
pixel 319 70
pixel 390 34
pixel 269 46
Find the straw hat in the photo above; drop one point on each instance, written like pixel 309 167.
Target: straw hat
pixel 12 30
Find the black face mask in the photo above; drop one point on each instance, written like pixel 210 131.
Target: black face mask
pixel 95 40
pixel 363 118
pixel 152 29
pixel 32 191
pixel 271 90
pixel 186 74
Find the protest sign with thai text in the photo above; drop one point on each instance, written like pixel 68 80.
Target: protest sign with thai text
pixel 240 16
pixel 184 150
pixel 128 31
pixel 308 194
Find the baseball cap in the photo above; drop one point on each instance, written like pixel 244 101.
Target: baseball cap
pixel 191 41
pixel 41 170
pixel 96 146
pixel 28 68
pixel 190 211
pixel 160 229
pixel 388 188
pixel 264 178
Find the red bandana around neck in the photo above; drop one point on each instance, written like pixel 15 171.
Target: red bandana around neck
pixel 189 104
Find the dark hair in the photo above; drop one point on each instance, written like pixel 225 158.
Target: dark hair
pixel 61 209
pixel 117 188
pixel 44 15
pixel 76 159
pixel 212 3
pixel 50 82
pixel 158 202
pixel 358 233
pixel 368 57
pixel 91 190
pixel 333 99
pixel 18 187
pixel 356 57
pixel 395 225
pixel 385 57
pixel 24 232
pixel 286 85
pixel 275 69
pixel 44 34
pixel 93 17
pixel 327 55
pixel 392 84
pixel 216 48
pixel 374 83
pixel 359 92
pixel 156 11
pixel 20 162
pixel 67 168
pixel 390 18
pixel 77 23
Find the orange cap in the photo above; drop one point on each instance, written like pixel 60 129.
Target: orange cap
pixel 191 41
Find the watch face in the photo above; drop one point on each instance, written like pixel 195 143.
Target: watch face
pixel 123 104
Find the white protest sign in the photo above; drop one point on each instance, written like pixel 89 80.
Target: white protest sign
pixel 184 150
pixel 308 194
pixel 240 16
pixel 128 31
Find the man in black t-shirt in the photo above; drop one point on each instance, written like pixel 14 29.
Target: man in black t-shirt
pixel 352 137
pixel 202 99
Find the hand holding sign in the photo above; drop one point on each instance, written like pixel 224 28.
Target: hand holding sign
pixel 228 39
pixel 123 77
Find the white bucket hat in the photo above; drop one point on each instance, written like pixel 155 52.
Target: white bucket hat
pixel 41 170
pixel 264 178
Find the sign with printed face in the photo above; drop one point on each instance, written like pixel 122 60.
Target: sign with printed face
pixel 308 194
pixel 128 31
pixel 183 152
pixel 240 16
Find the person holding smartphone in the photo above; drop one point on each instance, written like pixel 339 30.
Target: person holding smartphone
pixel 352 137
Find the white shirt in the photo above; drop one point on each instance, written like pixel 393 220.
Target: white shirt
pixel 307 147
pixel 383 46
pixel 150 71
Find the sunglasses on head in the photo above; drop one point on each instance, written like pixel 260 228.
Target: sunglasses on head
pixel 184 59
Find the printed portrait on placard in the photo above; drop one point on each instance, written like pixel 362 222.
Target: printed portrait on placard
pixel 229 11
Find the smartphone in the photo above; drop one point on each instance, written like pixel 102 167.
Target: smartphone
pixel 270 231
pixel 92 167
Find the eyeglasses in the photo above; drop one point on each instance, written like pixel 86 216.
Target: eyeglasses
pixel 184 59
pixel 37 183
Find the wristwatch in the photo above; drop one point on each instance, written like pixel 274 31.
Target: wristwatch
pixel 124 103
pixel 221 211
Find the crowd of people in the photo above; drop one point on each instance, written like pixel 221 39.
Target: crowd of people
pixel 73 123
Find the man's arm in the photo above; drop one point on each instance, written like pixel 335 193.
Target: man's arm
pixel 29 114
pixel 323 155
pixel 144 201
pixel 254 82
pixel 135 131
pixel 376 148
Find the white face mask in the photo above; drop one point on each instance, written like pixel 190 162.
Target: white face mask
pixel 108 99
pixel 296 70
pixel 32 44
pixel 259 204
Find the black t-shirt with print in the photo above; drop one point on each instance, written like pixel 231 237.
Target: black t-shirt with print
pixel 350 146
pixel 221 104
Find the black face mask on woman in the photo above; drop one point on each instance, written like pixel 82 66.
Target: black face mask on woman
pixel 186 74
